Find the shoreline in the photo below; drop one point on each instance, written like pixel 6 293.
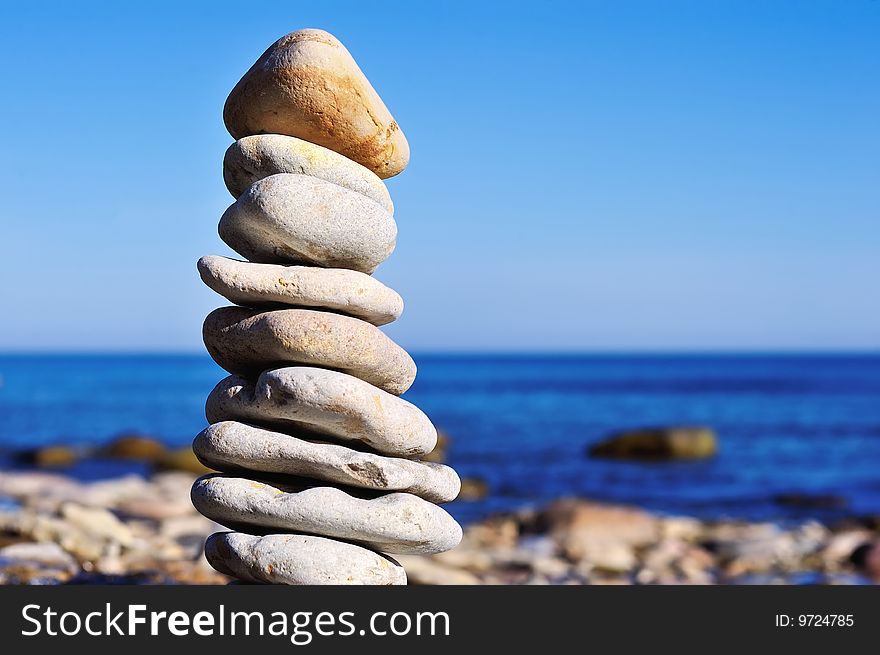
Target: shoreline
pixel 134 454
pixel 134 529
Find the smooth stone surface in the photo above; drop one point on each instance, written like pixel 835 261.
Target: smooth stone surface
pixel 255 157
pixel 231 446
pixel 308 85
pixel 296 559
pixel 247 341
pixel 298 219
pixel 393 523
pixel 328 403
pixel 338 289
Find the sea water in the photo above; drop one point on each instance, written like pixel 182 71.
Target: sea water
pixel 786 424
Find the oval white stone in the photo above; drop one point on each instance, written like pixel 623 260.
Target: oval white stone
pixel 270 285
pixel 234 446
pixel 325 402
pixel 297 559
pixel 392 523
pixel 248 341
pixel 299 219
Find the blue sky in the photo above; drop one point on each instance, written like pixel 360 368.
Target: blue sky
pixel 584 176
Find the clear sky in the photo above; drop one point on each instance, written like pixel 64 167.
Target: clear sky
pixel 584 176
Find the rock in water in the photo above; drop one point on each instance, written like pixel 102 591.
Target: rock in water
pixel 659 443
pixel 47 456
pixel 473 489
pixel 247 341
pixel 270 285
pixel 231 446
pixel 318 401
pixel 134 446
pixel 255 157
pixel 183 459
pixel 307 85
pixel 297 559
pixel 298 219
pixel 393 523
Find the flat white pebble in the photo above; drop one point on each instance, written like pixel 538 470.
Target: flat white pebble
pixel 299 219
pixel 319 401
pixel 391 523
pixel 248 341
pixel 231 446
pixel 270 285
pixel 261 155
pixel 296 559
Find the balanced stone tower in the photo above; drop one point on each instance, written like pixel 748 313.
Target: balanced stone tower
pixel 319 456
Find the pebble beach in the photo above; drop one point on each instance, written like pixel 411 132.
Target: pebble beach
pixel 133 529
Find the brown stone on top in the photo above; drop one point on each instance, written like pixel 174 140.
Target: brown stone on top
pixel 307 85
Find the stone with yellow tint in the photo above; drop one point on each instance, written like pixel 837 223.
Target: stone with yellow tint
pixel 254 157
pixel 309 86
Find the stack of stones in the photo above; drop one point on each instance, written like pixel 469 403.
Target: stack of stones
pixel 319 456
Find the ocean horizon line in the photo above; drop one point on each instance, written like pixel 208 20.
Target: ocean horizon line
pixel 499 353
